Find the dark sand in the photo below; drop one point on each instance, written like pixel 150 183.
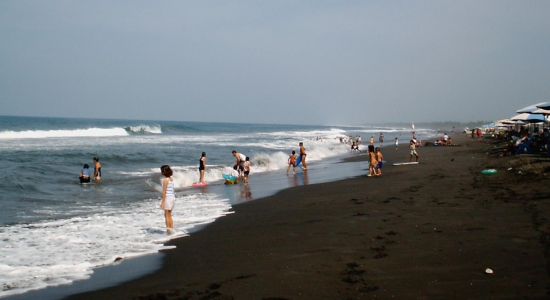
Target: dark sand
pixel 425 231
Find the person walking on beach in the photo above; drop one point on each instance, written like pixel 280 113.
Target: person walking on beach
pixel 292 162
pixel 202 167
pixel 303 155
pixel 97 170
pixel 372 140
pixel 381 139
pixel 380 159
pixel 168 197
pixel 412 148
pixel 246 169
pixel 239 161
pixel 373 161
pixel 396 143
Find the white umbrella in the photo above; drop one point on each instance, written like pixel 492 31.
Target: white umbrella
pixel 542 111
pixel 529 109
pixel 530 118
pixel 544 105
pixel 508 122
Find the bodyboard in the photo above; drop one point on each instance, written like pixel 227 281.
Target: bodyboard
pixel 406 163
pixel 299 161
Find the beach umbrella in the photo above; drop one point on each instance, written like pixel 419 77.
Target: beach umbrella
pixel 508 122
pixel 529 109
pixel 529 118
pixel 542 111
pixel 544 105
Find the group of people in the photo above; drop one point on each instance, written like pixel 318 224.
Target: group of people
pixel 445 140
pixel 85 173
pixel 242 166
pixel 376 161
pixel 295 161
pixel 353 141
pixel 524 142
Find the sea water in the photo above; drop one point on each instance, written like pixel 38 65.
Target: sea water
pixel 54 230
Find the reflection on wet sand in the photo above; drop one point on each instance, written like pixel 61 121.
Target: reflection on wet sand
pixel 298 179
pixel 246 194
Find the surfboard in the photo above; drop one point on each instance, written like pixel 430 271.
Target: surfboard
pixel 298 161
pixel 199 184
pixel 405 163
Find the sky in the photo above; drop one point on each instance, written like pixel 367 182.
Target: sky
pixel 297 62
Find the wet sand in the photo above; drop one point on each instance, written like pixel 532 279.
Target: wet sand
pixel 422 231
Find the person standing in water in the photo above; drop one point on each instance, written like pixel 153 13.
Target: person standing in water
pixel 246 169
pixel 168 197
pixel 97 170
pixel 239 161
pixel 85 174
pixel 381 139
pixel 292 162
pixel 303 155
pixel 202 167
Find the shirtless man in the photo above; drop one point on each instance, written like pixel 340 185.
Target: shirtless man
pixel 97 170
pixel 303 155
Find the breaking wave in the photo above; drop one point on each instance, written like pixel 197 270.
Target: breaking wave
pixel 82 132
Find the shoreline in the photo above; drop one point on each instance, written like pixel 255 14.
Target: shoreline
pixel 264 184
pixel 418 231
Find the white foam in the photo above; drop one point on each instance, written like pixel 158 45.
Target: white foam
pixel 58 252
pixel 311 133
pixel 185 176
pixel 156 129
pixel 41 134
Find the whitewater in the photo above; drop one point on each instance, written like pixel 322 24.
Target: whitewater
pixel 54 231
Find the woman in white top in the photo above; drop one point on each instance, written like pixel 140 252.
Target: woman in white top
pixel 168 196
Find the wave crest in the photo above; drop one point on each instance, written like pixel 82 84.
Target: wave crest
pixel 144 129
pixel 81 132
pixel 65 133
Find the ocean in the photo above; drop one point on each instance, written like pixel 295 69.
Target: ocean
pixel 55 231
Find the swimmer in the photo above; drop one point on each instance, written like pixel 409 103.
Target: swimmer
pixel 97 170
pixel 85 174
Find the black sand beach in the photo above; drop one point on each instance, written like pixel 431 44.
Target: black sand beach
pixel 422 231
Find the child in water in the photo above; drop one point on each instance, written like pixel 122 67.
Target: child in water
pixel 246 166
pixel 168 197
pixel 380 159
pixel 292 162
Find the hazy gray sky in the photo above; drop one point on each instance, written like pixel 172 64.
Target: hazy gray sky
pixel 322 62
